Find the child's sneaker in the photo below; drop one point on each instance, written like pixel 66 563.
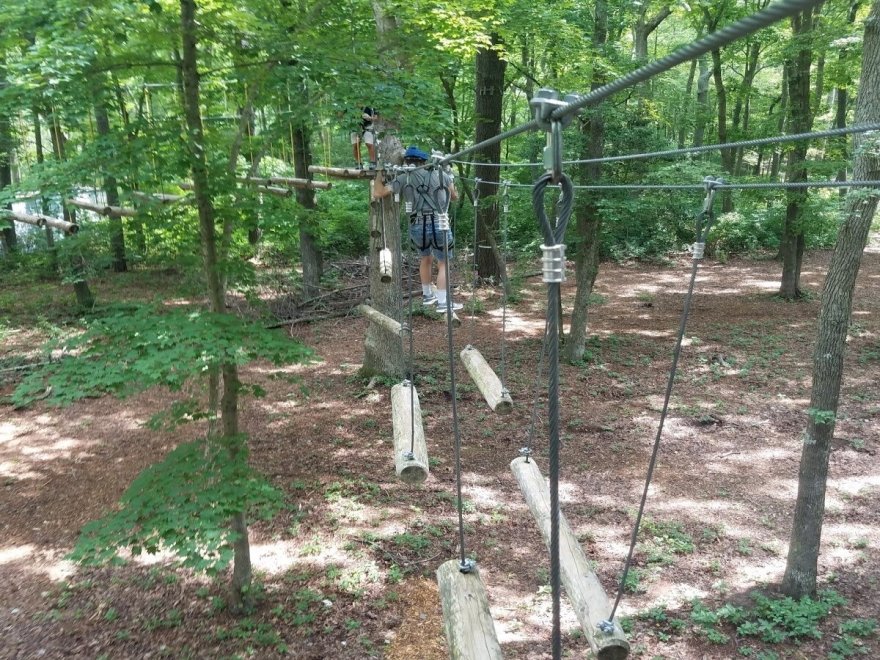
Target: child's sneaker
pixel 429 301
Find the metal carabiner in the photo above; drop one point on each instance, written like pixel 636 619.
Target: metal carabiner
pixel 555 144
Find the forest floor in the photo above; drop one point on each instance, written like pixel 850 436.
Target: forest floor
pixel 347 569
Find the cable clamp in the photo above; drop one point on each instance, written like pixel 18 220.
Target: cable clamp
pixel 711 184
pixel 504 392
pixel 606 626
pixel 409 456
pixel 404 329
pixel 406 382
pixel 441 222
pixel 553 262
pixel 467 566
pixel 545 102
pixel 525 452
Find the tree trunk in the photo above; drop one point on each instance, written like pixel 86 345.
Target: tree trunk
pixel 800 121
pixel 588 220
pixel 803 555
pixel 383 351
pixel 743 99
pixel 111 190
pixel 702 107
pixel 488 98
pixel 727 155
pixel 309 249
pixel 642 29
pixel 44 203
pixel 10 239
pixel 841 97
pixel 239 597
pixel 686 104
pixel 776 161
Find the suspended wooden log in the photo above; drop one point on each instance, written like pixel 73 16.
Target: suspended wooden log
pixel 486 381
pixel 68 228
pixel 385 265
pixel 467 622
pixel 410 449
pixel 385 322
pixel 456 322
pixel 343 172
pixel 585 592
pixel 156 198
pixel 286 181
pixel 109 211
pixel 275 190
pixel 185 185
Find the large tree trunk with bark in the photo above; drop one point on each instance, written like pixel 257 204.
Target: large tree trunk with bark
pixel 111 189
pixel 702 106
pixel 239 597
pixel 588 221
pixel 488 98
pixel 800 120
pixel 309 250
pixel 834 318
pixel 383 351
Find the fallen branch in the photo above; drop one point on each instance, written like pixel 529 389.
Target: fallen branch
pixel 68 228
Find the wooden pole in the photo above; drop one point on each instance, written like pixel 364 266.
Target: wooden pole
pixel 342 172
pixel 68 228
pixel 385 322
pixel 410 449
pixel 591 605
pixel 275 190
pixel 109 211
pixel 486 381
pixel 467 622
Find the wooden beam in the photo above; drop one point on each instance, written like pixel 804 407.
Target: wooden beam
pixel 155 198
pixel 385 322
pixel 343 172
pixel 410 449
pixel 585 592
pixel 109 211
pixel 486 381
pixel 275 190
pixel 467 622
pixel 68 228
pixel 286 182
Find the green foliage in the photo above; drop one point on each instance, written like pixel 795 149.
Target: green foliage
pixel 821 417
pixel 183 504
pixel 136 347
pixel 665 540
pixel 773 620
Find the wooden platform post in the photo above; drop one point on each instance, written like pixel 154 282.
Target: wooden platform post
pixel 585 592
pixel 410 449
pixel 470 632
pixel 486 381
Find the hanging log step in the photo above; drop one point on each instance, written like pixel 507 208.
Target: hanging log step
pixel 467 622
pixel 486 381
pixel 102 209
pixel 585 592
pixel 285 182
pixel 342 172
pixel 410 449
pixel 155 198
pixel 68 228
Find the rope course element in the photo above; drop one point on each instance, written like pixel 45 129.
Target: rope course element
pixel 757 142
pixel 781 185
pixel 703 224
pixel 714 41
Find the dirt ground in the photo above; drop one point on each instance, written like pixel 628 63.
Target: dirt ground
pixel 347 570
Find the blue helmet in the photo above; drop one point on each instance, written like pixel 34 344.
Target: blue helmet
pixel 415 153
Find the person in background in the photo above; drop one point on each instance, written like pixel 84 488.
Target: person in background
pixel 426 194
pixel 367 135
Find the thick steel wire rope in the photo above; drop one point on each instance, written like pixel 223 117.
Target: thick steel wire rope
pixel 553 236
pixel 781 185
pixel 714 41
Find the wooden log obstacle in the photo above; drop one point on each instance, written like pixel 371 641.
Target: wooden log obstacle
pixel 68 228
pixel 342 172
pixel 102 209
pixel 285 183
pixel 467 622
pixel 585 592
pixel 487 382
pixel 410 449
